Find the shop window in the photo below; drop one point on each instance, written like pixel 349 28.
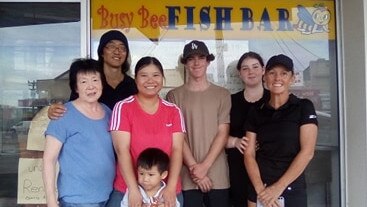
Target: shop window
pixel 303 30
pixel 38 41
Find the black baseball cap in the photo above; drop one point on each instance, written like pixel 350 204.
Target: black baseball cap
pixel 280 60
pixel 196 47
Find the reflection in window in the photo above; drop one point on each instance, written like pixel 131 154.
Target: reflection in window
pixel 315 67
pixel 38 41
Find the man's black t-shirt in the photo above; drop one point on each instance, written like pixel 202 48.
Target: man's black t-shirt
pixel 110 96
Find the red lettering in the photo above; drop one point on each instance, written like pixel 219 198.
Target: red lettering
pixel 163 21
pixel 103 12
pixel 144 13
pixel 154 21
pixel 122 20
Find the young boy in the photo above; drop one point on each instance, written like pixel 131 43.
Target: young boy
pixel 152 166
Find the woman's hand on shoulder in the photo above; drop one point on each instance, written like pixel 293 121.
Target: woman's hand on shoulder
pixel 56 110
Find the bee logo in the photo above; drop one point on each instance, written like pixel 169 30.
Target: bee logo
pixel 315 22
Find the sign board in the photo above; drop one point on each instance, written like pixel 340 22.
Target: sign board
pixel 30 183
pixel 216 19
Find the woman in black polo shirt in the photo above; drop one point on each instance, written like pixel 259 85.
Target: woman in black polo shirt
pixel 285 128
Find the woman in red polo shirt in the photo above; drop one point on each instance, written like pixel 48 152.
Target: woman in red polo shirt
pixel 146 120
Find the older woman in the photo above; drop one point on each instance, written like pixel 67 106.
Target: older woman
pixel 285 128
pixel 146 120
pixel 81 143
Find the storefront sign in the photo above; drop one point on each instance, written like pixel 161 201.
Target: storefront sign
pixel 216 19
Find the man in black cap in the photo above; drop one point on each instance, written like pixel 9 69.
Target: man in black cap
pixel 113 51
pixel 205 107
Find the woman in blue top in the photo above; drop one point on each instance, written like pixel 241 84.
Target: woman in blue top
pixel 113 52
pixel 81 144
pixel 285 128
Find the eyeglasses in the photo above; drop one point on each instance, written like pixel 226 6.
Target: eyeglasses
pixel 113 48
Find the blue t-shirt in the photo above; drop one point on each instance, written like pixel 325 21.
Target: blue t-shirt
pixel 86 159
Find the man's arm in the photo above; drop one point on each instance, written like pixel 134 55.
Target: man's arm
pixel 56 110
pixel 219 143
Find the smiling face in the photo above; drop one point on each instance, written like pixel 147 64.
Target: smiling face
pixel 278 80
pixel 114 53
pixel 89 86
pixel 197 66
pixel 150 179
pixel 149 80
pixel 251 72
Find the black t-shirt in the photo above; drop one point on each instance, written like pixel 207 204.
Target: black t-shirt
pixel 239 112
pixel 124 89
pixel 237 172
pixel 277 132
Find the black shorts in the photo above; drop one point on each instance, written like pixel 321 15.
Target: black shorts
pixel 213 198
pixel 292 196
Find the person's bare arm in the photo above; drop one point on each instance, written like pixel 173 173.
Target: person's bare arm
pixel 251 164
pixel 121 143
pixel 169 193
pixel 50 155
pixel 240 144
pixel 308 137
pixel 188 157
pixel 56 110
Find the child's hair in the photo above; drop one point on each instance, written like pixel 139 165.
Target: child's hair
pixel 153 157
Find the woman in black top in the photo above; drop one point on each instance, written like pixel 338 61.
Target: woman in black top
pixel 285 128
pixel 251 69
